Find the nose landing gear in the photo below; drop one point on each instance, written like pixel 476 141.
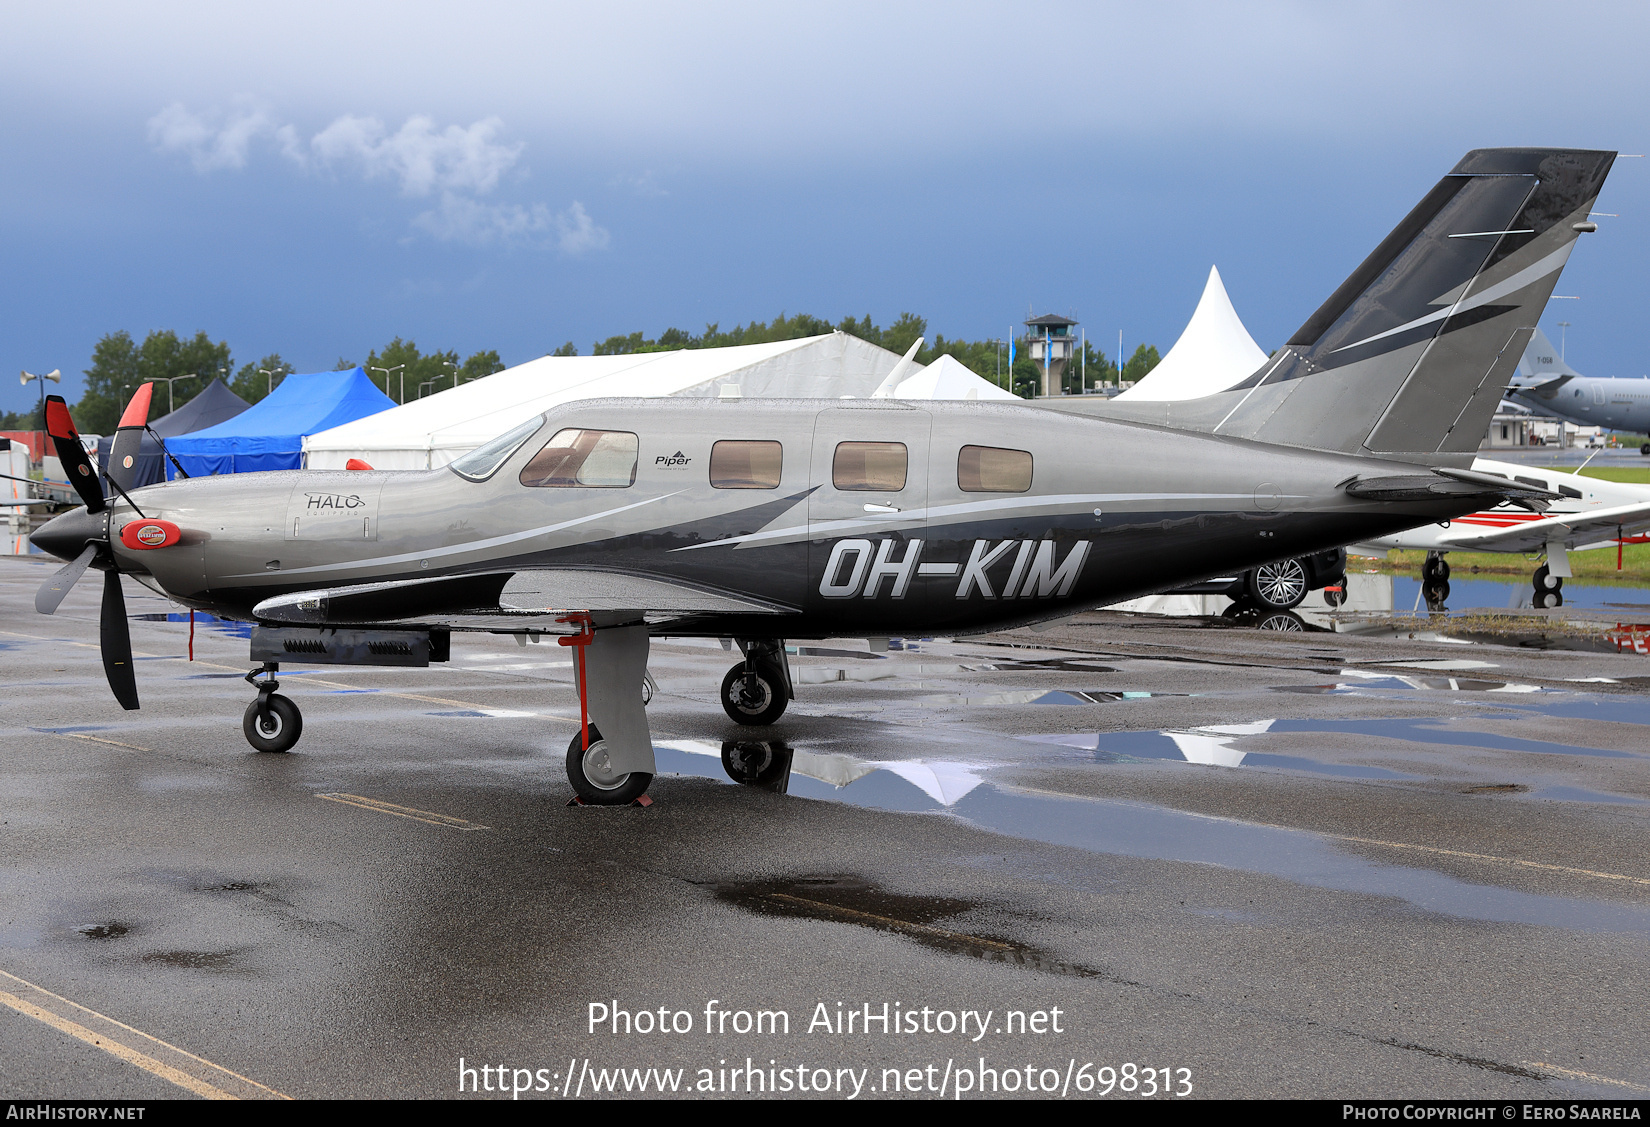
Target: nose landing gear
pixel 272 722
pixel 757 691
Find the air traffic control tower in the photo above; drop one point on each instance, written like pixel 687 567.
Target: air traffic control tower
pixel 1050 341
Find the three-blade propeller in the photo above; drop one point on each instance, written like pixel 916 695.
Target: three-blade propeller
pixel 114 634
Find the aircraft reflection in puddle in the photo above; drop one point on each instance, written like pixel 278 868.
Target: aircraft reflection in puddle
pixel 1139 829
pixel 1363 681
pixel 203 621
pixel 1211 745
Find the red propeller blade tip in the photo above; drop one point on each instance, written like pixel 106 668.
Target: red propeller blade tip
pixel 59 423
pixel 137 411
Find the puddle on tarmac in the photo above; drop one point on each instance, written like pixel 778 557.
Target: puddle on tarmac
pixel 1137 829
pixel 1426 731
pixel 103 931
pixel 484 712
pixel 1044 696
pixel 196 960
pixel 1464 593
pixel 851 900
pixel 203 621
pixel 1578 794
pixel 1359 682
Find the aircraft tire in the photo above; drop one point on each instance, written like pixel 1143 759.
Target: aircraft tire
pixel 1278 586
pixel 1545 580
pixel 1435 594
pixel 1435 568
pixel 280 731
pixel 595 785
pixel 1644 448
pixel 1335 596
pixel 764 706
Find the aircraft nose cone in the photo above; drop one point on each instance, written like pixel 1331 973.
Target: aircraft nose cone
pixel 66 536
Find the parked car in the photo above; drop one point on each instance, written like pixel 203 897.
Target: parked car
pixel 1281 584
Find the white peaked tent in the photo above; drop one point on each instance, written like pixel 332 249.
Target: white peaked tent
pixel 431 432
pixel 947 378
pixel 1213 353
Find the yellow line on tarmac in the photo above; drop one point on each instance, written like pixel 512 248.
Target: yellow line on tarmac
pixel 414 813
pixel 135 1047
pixel 1542 1066
pixel 101 740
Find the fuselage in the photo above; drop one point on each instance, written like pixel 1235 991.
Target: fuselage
pixel 848 517
pixel 1594 401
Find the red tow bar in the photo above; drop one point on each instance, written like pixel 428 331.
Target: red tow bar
pixel 579 641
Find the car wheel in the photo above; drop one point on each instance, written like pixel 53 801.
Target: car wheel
pixel 1278 586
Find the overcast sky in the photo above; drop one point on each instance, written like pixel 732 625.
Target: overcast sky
pixel 315 179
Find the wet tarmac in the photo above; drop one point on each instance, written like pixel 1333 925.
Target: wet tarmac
pixel 1317 863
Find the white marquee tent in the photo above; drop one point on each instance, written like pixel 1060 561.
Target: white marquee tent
pixel 433 431
pixel 1213 353
pixel 947 378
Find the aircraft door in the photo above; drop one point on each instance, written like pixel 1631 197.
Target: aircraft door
pixel 869 501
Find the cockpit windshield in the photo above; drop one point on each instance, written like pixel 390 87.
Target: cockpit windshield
pixel 483 462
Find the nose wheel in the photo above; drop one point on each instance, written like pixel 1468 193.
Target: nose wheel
pixel 272 722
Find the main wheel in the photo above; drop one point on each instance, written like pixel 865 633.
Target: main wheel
pixel 276 732
pixel 593 777
pixel 1544 600
pixel 1435 594
pixel 1545 580
pixel 1277 586
pixel 1435 568
pixel 756 698
pixel 1645 448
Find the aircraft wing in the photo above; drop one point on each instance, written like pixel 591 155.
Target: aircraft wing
pixel 1570 529
pixel 1544 390
pixel 486 599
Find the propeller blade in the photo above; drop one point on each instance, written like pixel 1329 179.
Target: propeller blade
pixel 115 636
pixel 123 452
pixel 76 465
pixel 51 593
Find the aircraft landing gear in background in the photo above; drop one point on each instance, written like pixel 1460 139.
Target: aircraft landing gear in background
pixel 757 690
pixel 272 722
pixel 1549 589
pixel 594 778
pixel 1435 581
pixel 758 763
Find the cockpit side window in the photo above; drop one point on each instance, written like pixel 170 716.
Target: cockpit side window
pixel 596 459
pixel 483 462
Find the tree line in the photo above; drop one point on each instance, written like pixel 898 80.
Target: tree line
pixel 120 363
pixel 988 358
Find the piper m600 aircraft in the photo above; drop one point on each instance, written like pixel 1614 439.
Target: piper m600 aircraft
pixel 613 521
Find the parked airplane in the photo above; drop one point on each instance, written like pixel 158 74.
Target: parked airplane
pixel 611 521
pixel 1549 386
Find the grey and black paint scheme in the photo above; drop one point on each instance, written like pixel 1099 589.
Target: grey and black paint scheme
pixel 1364 425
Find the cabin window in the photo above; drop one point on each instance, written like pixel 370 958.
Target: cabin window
pixel 1535 481
pixel 598 459
pixel 870 466
pixel 483 462
pixel 1566 491
pixel 989 469
pixel 741 464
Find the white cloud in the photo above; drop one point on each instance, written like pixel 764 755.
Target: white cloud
pixel 461 163
pixel 577 233
pixel 209 145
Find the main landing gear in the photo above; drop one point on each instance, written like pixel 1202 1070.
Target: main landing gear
pixel 757 690
pixel 272 722
pixel 1549 589
pixel 610 758
pixel 1435 581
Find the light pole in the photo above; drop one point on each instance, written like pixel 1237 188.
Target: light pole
pixel 271 381
pixel 398 368
pixel 168 380
pixel 54 375
pixel 454 367
pixel 1562 326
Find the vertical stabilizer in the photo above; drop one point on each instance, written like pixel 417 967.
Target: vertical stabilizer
pixel 1409 357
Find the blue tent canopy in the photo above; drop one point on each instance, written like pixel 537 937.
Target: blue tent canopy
pixel 269 435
